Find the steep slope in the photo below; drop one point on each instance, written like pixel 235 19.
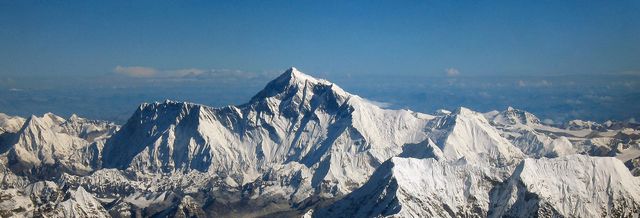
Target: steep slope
pixel 513 116
pixel 10 123
pixel 519 127
pixel 340 137
pixel 47 199
pixel 303 143
pixel 89 130
pixel 39 143
pixel 408 187
pixel 537 140
pixel 465 134
pixel 81 204
pixel 570 186
pixel 48 145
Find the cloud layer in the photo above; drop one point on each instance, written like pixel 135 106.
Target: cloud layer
pixel 135 71
pixel 187 73
pixel 452 72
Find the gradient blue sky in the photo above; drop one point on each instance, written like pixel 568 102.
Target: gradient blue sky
pixel 77 38
pixel 561 60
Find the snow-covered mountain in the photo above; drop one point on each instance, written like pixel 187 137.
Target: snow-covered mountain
pixel 49 145
pixel 408 187
pixel 340 138
pixel 304 146
pixel 570 186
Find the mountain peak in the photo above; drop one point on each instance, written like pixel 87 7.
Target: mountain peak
pixel 464 111
pixel 294 80
pixel 293 70
pixel 513 116
pixel 293 75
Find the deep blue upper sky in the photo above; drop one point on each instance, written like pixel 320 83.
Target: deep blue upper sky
pixel 561 60
pixel 359 37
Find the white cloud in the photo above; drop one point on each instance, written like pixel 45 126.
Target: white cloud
pixel 630 73
pixel 521 83
pixel 186 73
pixel 216 74
pixel 545 83
pixel 548 121
pixel 452 72
pixel 484 94
pixel 541 83
pixel 135 71
pixel 573 101
pixel 379 103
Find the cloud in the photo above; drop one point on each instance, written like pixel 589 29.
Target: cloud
pixel 216 74
pixel 630 73
pixel 541 83
pixel 135 71
pixel 548 121
pixel 522 83
pixel 573 101
pixel 379 103
pixel 452 72
pixel 184 74
pixel 545 83
pixel 484 94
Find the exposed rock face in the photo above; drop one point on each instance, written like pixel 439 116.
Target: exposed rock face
pixel 304 147
pixel 46 199
pixel 571 186
pixel 408 187
pixel 49 145
pixel 337 137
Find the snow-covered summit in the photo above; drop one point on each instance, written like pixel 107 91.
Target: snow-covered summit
pixel 10 123
pixel 293 80
pixel 340 137
pixel 571 186
pixel 465 134
pixel 50 145
pixel 301 143
pixel 408 187
pixel 582 125
pixel 512 116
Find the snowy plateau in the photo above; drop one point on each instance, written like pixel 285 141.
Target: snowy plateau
pixel 304 147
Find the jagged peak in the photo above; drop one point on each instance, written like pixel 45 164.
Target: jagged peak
pixel 75 117
pixel 168 104
pixel 513 116
pixel 297 76
pixel 295 80
pixel 442 112
pixel 464 111
pixel 48 120
pixel 34 122
pixel 293 76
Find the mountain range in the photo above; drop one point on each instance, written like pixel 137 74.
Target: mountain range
pixel 305 147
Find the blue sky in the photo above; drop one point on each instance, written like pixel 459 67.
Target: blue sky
pixel 360 37
pixel 559 59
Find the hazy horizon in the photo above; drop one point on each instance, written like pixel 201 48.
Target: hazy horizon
pixel 560 60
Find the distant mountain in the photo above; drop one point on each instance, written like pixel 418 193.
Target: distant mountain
pixel 304 146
